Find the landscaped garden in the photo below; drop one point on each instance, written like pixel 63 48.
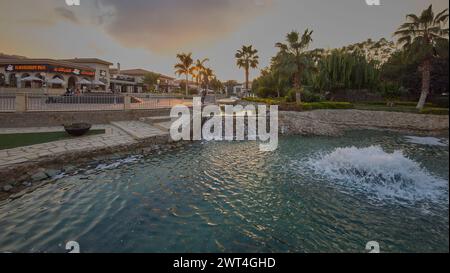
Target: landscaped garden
pixel 408 76
pixel 391 106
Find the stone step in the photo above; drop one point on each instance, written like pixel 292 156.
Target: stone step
pixel 153 120
pixel 164 126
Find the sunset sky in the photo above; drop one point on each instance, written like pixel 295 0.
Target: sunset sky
pixel 148 33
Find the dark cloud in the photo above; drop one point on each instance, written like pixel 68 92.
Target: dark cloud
pixel 170 24
pixel 66 14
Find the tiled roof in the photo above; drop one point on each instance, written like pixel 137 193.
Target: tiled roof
pixel 88 60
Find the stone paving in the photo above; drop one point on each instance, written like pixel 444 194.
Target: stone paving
pixel 116 134
pixel 139 130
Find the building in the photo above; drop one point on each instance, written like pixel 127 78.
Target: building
pixel 165 83
pixel 53 76
pixel 191 84
pixel 50 76
pixel 102 73
pixel 238 89
pixel 122 83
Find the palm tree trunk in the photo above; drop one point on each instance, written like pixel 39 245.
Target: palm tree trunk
pixel 426 77
pixel 298 95
pixel 187 85
pixel 246 79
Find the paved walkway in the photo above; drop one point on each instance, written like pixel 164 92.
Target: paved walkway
pixel 116 134
pixel 139 130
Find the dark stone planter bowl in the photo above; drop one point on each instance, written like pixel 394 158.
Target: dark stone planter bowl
pixel 77 129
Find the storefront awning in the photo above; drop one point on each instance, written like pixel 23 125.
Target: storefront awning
pixel 83 81
pixel 97 82
pixel 56 81
pixel 31 79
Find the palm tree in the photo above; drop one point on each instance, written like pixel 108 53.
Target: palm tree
pixel 207 74
pixel 421 35
pixel 294 56
pixel 184 67
pixel 247 58
pixel 198 69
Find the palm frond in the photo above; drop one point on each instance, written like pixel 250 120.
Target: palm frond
pixel 414 18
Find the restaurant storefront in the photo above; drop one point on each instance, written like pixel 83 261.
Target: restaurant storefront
pixel 46 74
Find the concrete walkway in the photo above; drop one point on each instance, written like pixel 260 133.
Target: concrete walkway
pixel 116 134
pixel 139 130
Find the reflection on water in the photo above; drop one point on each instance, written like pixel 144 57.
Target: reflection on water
pixel 314 194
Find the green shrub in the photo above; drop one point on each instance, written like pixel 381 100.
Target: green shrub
pixel 306 95
pixel 266 92
pixel 290 106
pixel 290 96
pixel 309 96
pixel 328 105
pixel 396 103
pixel 434 111
pixel 274 101
pixel 441 101
pixel 391 91
pixel 307 106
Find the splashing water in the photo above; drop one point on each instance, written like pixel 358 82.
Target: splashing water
pixel 431 141
pixel 117 163
pixel 380 175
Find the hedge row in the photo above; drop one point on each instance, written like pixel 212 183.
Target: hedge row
pixel 435 111
pixel 305 106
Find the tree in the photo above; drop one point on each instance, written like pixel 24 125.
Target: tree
pixel 293 57
pixel 230 84
pixel 420 36
pixel 341 70
pixel 216 85
pixel 206 74
pixel 198 69
pixel 184 67
pixel 151 79
pixel 246 58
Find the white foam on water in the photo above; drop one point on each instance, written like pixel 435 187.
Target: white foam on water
pixel 382 176
pixel 430 141
pixel 118 163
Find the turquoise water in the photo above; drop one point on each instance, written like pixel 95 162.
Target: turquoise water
pixel 313 194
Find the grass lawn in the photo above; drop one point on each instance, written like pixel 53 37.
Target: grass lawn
pixel 9 141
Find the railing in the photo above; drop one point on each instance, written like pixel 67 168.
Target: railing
pixel 144 101
pixel 87 102
pixel 7 102
pixel 74 103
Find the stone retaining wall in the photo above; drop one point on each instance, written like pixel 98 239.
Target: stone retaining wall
pixel 45 119
pixel 334 122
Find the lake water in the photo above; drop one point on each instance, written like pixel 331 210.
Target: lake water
pixel 313 194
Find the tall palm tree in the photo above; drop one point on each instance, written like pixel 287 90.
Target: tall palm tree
pixel 184 67
pixel 198 69
pixel 294 56
pixel 246 58
pixel 421 34
pixel 207 74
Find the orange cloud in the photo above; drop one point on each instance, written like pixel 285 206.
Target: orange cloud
pixel 166 26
